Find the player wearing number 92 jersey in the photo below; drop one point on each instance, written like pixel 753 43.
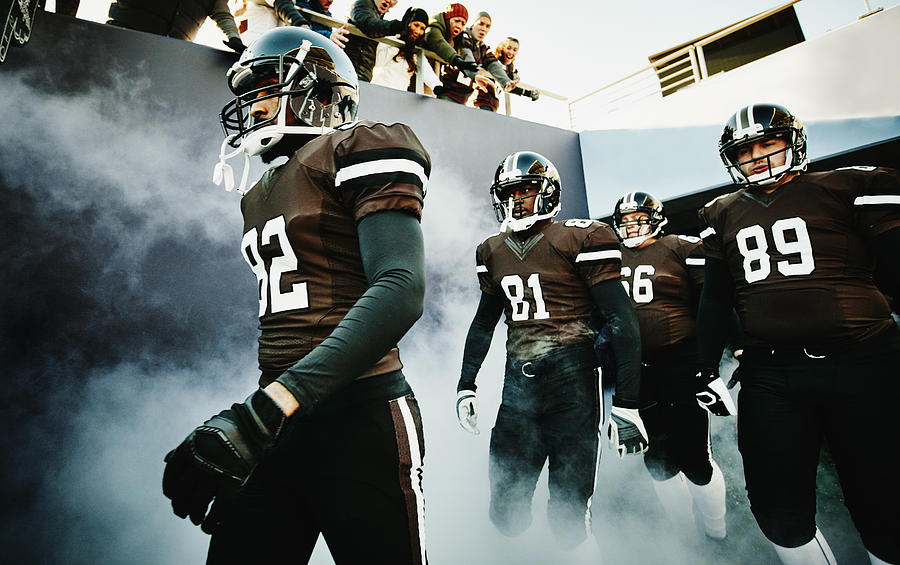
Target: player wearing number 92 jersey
pixel 331 443
pixel 547 277
pixel 300 234
pixel 795 253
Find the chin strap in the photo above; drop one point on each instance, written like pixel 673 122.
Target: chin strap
pixel 223 171
pixel 507 217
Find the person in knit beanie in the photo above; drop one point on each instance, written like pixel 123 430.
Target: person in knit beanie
pixel 442 36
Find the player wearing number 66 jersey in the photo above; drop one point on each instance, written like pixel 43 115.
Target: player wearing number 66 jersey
pixel 663 275
pixel 332 442
pixel 795 253
pixel 547 277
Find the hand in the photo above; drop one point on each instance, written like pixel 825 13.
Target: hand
pixel 511 85
pixel 218 457
pixel 627 433
pixel 235 44
pixel 463 65
pixel 407 17
pixel 483 83
pixel 467 411
pixel 339 36
pixel 713 395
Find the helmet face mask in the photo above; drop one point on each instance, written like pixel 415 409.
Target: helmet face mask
pixel 638 202
pixel 761 124
pixel 534 174
pixel 313 82
pixel 312 78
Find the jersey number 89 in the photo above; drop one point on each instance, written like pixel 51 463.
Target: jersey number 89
pixel 754 247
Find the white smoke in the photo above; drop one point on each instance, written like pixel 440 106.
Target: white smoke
pixel 152 228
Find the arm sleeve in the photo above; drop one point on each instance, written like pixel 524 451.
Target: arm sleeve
pixel 393 258
pixel 715 313
pixel 435 41
pixel 498 72
pixel 289 14
pixel 478 340
pixel 224 19
pixel 614 308
pixel 367 19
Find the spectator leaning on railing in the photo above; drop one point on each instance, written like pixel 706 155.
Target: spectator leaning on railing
pixel 368 16
pixel 255 17
pixel 505 53
pixel 180 19
pixel 395 67
pixel 337 35
pixel 443 38
pixel 459 87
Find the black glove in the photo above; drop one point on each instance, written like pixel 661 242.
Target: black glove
pixel 463 65
pixel 407 17
pixel 533 94
pixel 235 44
pixel 712 394
pixel 218 457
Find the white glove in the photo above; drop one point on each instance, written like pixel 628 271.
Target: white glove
pixel 467 411
pixel 627 433
pixel 714 396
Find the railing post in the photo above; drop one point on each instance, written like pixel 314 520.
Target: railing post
pixel 695 67
pixel 701 61
pixel 420 66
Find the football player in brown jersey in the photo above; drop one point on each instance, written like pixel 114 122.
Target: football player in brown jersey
pixel 663 275
pixel 332 442
pixel 794 252
pixel 546 277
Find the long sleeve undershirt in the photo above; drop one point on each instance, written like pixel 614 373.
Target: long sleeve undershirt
pixel 393 259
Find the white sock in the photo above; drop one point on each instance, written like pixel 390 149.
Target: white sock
pixel 710 501
pixel 814 552
pixel 876 561
pixel 675 498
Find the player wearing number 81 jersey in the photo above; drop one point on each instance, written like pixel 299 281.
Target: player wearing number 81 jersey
pixel 795 253
pixel 547 277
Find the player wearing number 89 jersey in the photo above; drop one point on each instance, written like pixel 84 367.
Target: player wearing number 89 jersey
pixel 547 277
pixel 795 253
pixel 663 275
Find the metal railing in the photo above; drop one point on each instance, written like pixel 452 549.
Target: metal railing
pixel 681 68
pixel 422 57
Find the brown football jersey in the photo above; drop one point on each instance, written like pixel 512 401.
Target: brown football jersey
pixel 663 280
pixel 300 235
pixel 800 257
pixel 546 280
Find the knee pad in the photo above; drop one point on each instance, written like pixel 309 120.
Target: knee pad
pixel 783 529
pixel 511 520
pixel 699 474
pixel 659 469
